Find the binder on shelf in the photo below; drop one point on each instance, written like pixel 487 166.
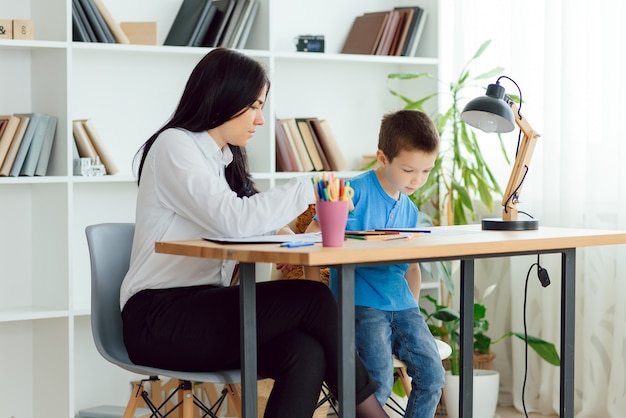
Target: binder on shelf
pixel 9 159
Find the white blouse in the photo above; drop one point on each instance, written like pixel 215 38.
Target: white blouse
pixel 183 195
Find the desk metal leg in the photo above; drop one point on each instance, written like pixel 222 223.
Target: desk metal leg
pixel 347 350
pixel 568 314
pixel 466 378
pixel 247 306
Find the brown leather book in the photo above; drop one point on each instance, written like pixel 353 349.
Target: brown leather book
pixel 365 34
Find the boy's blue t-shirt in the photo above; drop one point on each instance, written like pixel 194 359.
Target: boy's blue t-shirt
pixel 379 287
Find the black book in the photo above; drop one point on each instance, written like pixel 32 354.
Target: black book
pixel 82 17
pixel 102 31
pixel 79 33
pixel 410 39
pixel 224 8
pixel 203 25
pixel 186 21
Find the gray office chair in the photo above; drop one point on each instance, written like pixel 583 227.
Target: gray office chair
pixel 109 251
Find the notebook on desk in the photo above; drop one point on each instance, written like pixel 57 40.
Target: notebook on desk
pixel 268 239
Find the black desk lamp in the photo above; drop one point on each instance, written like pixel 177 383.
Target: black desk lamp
pixel 496 112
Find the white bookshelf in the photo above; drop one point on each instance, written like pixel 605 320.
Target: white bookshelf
pixel 48 363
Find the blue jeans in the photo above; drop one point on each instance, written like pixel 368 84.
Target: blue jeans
pixel 406 334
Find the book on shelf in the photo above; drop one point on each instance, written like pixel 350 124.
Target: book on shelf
pixel 292 145
pixel 34 150
pixel 365 33
pixel 9 159
pixel 329 144
pixel 202 27
pixel 224 9
pixel 309 144
pixel 83 27
pixel 285 159
pixel 83 144
pixel 41 168
pixel 186 22
pixel 318 145
pixel 389 30
pixel 79 31
pixel 415 31
pixel 98 144
pixel 8 127
pixel 242 30
pixel 25 144
pixel 96 21
pixel 291 127
pixel 406 17
pixel 230 28
pixel 113 25
pixel 312 143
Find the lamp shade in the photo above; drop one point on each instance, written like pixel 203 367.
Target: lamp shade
pixel 490 113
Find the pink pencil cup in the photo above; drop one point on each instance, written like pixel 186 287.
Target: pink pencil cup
pixel 332 217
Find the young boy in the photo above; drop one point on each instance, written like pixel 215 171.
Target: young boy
pixel 387 315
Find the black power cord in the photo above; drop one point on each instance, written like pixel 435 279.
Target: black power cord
pixel 544 279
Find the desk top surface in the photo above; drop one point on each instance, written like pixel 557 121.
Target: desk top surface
pixel 454 242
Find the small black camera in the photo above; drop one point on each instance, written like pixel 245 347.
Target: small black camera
pixel 310 43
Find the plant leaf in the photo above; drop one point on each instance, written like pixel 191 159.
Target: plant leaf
pixel 546 350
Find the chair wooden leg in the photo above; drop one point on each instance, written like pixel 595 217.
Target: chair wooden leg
pixel 405 380
pixel 135 397
pixel 186 396
pixel 234 400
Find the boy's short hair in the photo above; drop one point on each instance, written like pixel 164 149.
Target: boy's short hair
pixel 407 130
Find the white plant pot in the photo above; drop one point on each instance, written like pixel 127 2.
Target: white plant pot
pixel 485 399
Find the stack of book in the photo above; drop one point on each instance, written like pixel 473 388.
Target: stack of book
pixel 212 23
pixel 307 144
pixel 26 143
pixel 92 22
pixel 389 32
pixel 90 145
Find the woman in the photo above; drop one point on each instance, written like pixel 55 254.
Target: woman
pixel 180 312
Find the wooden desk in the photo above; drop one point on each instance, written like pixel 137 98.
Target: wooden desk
pixel 464 243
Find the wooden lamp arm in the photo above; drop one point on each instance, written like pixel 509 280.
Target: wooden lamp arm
pixel 520 166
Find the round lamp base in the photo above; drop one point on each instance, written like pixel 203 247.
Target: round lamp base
pixel 498 224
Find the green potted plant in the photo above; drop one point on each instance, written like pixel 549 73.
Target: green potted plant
pixel 444 322
pixel 461 172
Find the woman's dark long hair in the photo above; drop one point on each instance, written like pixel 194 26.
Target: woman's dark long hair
pixel 221 85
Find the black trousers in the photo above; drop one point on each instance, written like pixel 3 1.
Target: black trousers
pixel 197 329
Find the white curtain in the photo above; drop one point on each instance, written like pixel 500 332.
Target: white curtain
pixel 569 59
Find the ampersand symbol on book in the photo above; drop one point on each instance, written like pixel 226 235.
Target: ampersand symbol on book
pixel 23 30
pixel 3 31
